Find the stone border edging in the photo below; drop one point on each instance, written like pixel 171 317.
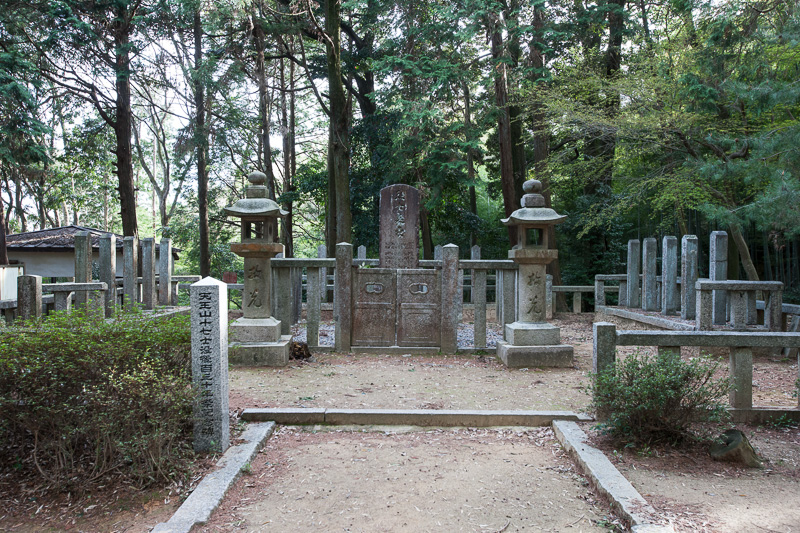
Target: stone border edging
pixel 409 417
pixel 607 479
pixel 209 493
pixel 659 322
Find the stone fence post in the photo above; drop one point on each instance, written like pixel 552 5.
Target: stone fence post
pixel 669 276
pixel 108 271
pixel 689 275
pixel 165 273
pixel 29 297
pixel 649 287
pixel 130 267
pixel 342 302
pixel 209 302
pixel 718 271
pixel 83 266
pixel 634 257
pixel 604 347
pixel 149 273
pixel 452 296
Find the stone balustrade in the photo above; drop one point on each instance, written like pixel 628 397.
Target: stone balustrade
pixel 742 295
pixel 741 344
pixel 63 292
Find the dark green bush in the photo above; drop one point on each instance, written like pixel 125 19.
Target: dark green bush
pixel 646 400
pixel 82 398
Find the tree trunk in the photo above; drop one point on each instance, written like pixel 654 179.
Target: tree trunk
pixel 287 128
pixel 122 126
pixel 3 249
pixel 510 200
pixel 201 142
pixel 338 132
pixel 473 200
pixel 744 252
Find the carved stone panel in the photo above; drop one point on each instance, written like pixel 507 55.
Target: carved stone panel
pixel 374 307
pixel 419 300
pixel 399 227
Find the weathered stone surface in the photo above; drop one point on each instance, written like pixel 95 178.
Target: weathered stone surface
pixel 634 256
pixel 509 296
pixel 479 301
pixel 704 308
pixel 599 293
pixel 604 346
pixel 282 300
pixel 313 307
pixel 255 330
pixel 419 307
pixel 29 297
pixel 399 226
pixel 718 271
pixel 560 356
pixel 451 298
pixel 108 271
pixel 269 354
pixel 751 339
pixel 149 273
pixel 83 265
pixel 531 293
pixel 649 270
pixel 669 276
pixel 689 275
pixel 165 272
pixel 342 303
pixel 739 285
pixel 741 371
pixel 532 334
pixel 209 304
pixel 130 266
pixel 549 304
pixel 374 307
pixel 322 252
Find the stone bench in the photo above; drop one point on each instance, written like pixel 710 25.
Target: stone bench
pixel 741 344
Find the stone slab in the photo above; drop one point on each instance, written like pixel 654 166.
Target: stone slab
pixel 656 321
pixel 208 494
pixel 751 339
pixel 532 334
pixel 608 481
pixel 444 417
pixel 558 356
pixel 269 354
pixel 738 285
pixel 255 330
pixel 285 416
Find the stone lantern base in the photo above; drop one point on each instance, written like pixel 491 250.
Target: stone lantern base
pixel 258 342
pixel 534 344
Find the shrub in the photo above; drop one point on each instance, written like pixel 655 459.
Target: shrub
pixel 82 398
pixel 653 400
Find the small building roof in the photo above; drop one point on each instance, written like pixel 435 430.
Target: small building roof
pixel 59 240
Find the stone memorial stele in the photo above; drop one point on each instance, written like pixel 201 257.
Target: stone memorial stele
pixel 209 304
pixel 256 338
pixel 399 227
pixel 530 340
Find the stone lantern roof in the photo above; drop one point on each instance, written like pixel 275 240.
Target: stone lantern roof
pixel 533 210
pixel 256 203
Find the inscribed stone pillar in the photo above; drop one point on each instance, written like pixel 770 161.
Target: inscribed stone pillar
pixel 718 271
pixel 689 275
pixel 148 273
pixel 634 257
pixel 209 303
pixel 29 297
pixel 531 298
pixel 399 227
pixel 342 303
pixel 130 268
pixel 165 272
pixel 669 275
pixel 108 271
pixel 451 297
pixel 83 266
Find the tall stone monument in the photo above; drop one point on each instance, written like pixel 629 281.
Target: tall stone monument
pixel 256 337
pixel 530 340
pixel 399 229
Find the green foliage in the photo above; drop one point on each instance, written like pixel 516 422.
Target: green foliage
pixel 647 400
pixel 82 398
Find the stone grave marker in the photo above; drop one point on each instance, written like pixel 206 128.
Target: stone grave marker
pixel 399 227
pixel 209 303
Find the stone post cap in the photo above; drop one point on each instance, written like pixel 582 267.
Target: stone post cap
pixel 257 178
pixel 209 281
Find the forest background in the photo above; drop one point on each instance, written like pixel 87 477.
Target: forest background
pixel 641 118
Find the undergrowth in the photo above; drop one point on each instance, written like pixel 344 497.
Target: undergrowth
pixel 83 398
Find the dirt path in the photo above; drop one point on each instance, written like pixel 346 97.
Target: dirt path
pixel 420 382
pixel 437 480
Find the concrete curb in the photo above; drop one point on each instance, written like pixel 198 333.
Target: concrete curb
pixel 624 498
pixel 410 417
pixel 207 496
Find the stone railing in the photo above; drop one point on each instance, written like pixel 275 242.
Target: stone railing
pixel 601 289
pixel 741 344
pixel 743 303
pixel 63 292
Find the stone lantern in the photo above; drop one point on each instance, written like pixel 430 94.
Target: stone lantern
pixel 530 340
pixel 256 337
